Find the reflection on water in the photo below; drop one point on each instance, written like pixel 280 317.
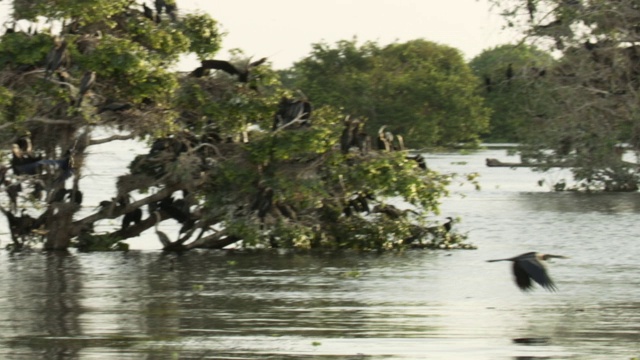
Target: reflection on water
pixel 411 305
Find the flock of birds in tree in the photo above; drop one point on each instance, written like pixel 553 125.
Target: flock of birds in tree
pixel 161 6
pixel 527 267
pixel 354 136
pixel 46 176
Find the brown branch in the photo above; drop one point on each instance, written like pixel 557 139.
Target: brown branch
pixel 111 138
pixel 50 121
pixel 218 240
pixel 121 210
pixel 215 149
pixel 137 229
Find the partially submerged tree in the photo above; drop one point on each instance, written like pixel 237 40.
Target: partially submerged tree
pixel 512 79
pixel 418 88
pixel 234 157
pixel 594 86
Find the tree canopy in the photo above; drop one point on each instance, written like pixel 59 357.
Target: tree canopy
pixel 418 88
pixel 512 81
pixel 593 126
pixel 234 156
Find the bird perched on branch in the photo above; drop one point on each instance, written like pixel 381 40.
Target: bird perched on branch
pixel 147 12
pixel 22 155
pixel 509 72
pixel 290 110
pixel 385 139
pixel 58 56
pixel 531 266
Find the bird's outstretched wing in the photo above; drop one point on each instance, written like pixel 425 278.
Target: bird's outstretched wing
pixel 220 65
pixel 258 62
pixel 535 270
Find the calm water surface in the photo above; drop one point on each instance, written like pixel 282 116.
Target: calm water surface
pixel 412 305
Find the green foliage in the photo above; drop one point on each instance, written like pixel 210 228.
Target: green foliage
pixel 591 120
pixel 88 242
pixel 420 89
pixel 130 72
pixel 20 48
pixel 166 40
pixel 202 31
pixel 517 100
pixel 213 136
pixel 87 11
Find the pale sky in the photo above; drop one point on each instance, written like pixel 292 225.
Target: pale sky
pixel 283 30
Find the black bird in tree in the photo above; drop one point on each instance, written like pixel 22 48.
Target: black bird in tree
pixel 62 194
pixel 134 217
pixel 419 159
pixel 487 83
pixel 448 225
pixel 263 201
pixel 171 8
pixel 58 56
pixel 160 4
pixel 290 110
pixel 354 136
pixel 509 72
pixel 115 107
pixel 57 195
pixel 20 226
pixel 147 12
pixel 531 8
pixel 87 82
pixel 22 155
pixel 12 190
pixel 385 139
pixel 347 139
pixel 445 228
pixel 531 266
pixel 243 74
pixel 24 143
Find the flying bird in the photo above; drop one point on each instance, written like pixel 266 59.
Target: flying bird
pixel 530 266
pixel 229 68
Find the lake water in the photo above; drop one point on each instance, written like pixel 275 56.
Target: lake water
pixel 416 304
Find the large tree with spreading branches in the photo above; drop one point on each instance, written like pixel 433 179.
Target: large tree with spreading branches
pixel 593 122
pixel 420 88
pixel 234 156
pixel 511 80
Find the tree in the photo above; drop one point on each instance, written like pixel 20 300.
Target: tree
pixel 594 88
pixel 512 81
pixel 220 162
pixel 419 89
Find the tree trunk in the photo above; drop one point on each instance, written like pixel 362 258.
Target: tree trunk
pixel 59 226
